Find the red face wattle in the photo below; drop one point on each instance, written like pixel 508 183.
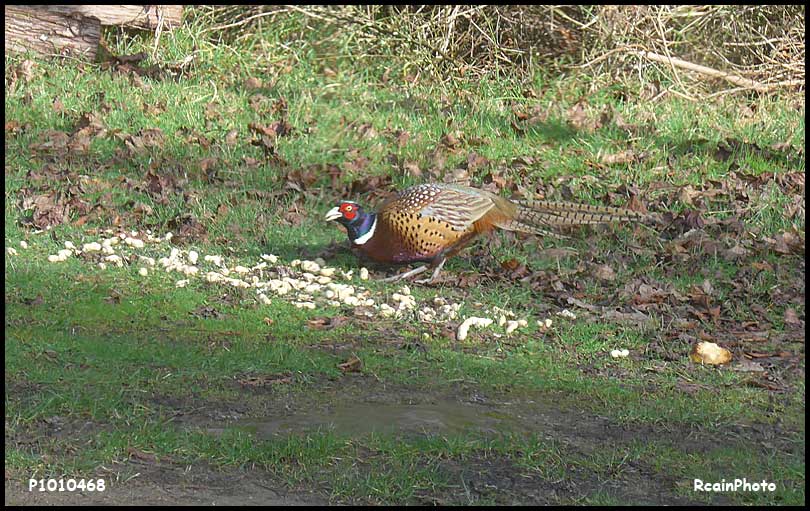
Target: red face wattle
pixel 348 210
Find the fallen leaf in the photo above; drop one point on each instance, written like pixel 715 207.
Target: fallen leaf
pixel 352 365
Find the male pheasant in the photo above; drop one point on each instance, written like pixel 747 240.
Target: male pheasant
pixel 431 222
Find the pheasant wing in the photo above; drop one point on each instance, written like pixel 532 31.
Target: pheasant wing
pixel 457 206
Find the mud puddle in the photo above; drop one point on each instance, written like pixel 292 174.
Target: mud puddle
pixel 351 419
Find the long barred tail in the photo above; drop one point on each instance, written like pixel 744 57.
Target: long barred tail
pixel 533 216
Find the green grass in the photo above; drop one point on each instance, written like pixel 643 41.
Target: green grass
pixel 125 355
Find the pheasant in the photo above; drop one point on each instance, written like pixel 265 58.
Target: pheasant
pixel 432 222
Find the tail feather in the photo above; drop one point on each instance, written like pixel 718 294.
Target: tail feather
pixel 532 216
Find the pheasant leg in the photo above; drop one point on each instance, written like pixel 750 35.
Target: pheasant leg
pixel 436 271
pixel 407 274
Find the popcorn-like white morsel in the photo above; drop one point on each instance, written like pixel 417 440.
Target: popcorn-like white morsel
pixel 181 283
pixel 347 274
pixel 115 259
pixel 567 314
pixel 396 297
pixel 190 270
pixel 216 259
pixel 163 261
pixel 327 272
pixel 364 273
pixel 387 310
pixel 425 336
pixel 91 247
pixel 193 256
pixel 324 280
pixel 295 262
pixel 70 245
pixel 351 300
pixel 312 288
pixel 464 327
pixel 270 258
pixel 511 326
pixel 111 241
pixel 121 235
pixel 133 233
pixel 320 262
pixel 310 266
pixel 369 302
pixel 523 323
pixel 65 253
pixel 304 305
pixel 405 290
pixel 225 271
pixel 265 300
pixel 148 260
pixel 134 242
pixel 102 266
pixel 241 270
pixel 168 236
pixel 334 303
pixel 308 276
pixel 329 294
pixel 625 353
pixel 143 272
pixel 54 258
pixel 262 265
pixel 255 280
pixel 213 276
pixel 439 301
pixel 502 320
pixel 175 253
pixel 619 353
pixel 24 244
pixel 547 322
pixel 11 251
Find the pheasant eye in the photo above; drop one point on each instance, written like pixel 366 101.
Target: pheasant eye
pixel 348 208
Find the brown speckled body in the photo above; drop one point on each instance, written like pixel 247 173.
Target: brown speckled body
pixel 431 222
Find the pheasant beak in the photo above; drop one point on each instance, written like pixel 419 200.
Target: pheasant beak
pixel 333 214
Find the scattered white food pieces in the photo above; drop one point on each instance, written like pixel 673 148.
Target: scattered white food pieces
pixel 364 273
pixel 193 256
pixel 65 253
pixel 134 242
pixel 216 259
pixel 320 262
pixel 567 314
pixel 270 258
pixel 327 272
pixel 143 272
pixel 619 353
pixel 69 245
pixel 23 244
pixel 102 266
pixel 115 259
pixel 265 300
pixel 54 258
pixel 511 326
pixel 181 283
pixel 91 247
pixel 310 266
pixel 241 270
pixel 464 327
pixel 11 251
pixel 544 323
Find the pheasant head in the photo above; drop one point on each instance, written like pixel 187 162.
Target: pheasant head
pixel 359 225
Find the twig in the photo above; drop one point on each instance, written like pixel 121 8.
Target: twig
pixel 676 62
